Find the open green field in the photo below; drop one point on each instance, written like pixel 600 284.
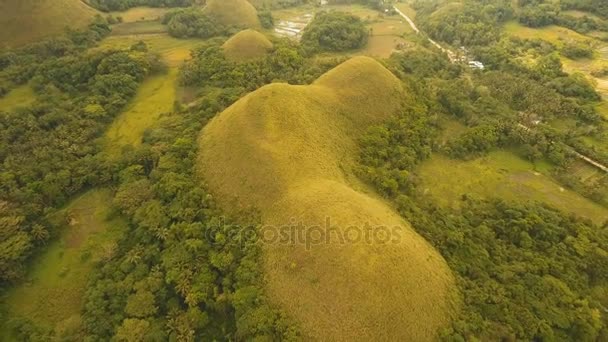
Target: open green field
pixel 53 294
pixel 154 97
pixel 141 14
pixel 174 51
pixel 19 97
pixel 298 145
pixel 138 28
pixel 25 21
pixel 505 175
pixel 553 34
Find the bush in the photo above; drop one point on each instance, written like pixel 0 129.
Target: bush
pixel 335 31
pixel 577 51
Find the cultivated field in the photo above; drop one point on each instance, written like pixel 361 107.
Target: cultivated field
pixel 298 145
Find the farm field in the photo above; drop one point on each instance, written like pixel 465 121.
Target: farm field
pixel 42 18
pixel 501 174
pixel 52 295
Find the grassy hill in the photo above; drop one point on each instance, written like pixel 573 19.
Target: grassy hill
pixel 25 21
pixel 247 45
pixel 238 13
pixel 289 151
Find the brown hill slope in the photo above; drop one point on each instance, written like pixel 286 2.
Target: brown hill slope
pixel 289 151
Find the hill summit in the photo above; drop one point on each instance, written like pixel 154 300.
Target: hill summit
pixel 289 151
pixel 26 21
pixel 237 13
pixel 247 45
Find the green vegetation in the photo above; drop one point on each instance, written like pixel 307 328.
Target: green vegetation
pixel 526 271
pixel 504 175
pixel 121 5
pixel 146 157
pixel 247 45
pixel 53 295
pixel 317 125
pixel 155 96
pixel 26 21
pixel 335 31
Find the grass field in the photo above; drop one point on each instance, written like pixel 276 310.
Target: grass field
pixel 19 97
pixel 174 51
pixel 155 97
pixel 25 21
pixel 298 146
pixel 138 28
pixel 505 175
pixel 553 34
pixel 52 296
pixel 141 14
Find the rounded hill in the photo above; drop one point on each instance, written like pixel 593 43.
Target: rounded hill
pixel 289 151
pixel 247 45
pixel 236 13
pixel 26 21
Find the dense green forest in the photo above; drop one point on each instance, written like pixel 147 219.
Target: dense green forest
pixel 189 271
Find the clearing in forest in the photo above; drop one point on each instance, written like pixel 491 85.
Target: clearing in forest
pixel 289 151
pixel 21 96
pixel 25 21
pixel 53 294
pixel 501 174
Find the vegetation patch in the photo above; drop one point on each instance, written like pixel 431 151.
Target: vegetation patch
pixel 154 97
pixel 501 174
pixel 298 145
pixel 52 297
pixel 19 97
pixel 247 45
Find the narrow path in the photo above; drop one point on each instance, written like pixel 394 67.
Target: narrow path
pixel 576 153
pixel 451 54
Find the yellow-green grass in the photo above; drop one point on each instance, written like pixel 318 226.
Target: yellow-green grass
pixel 141 14
pixel 174 51
pixel 239 13
pixel 288 151
pixel 553 34
pixel 53 295
pixel 247 45
pixel 363 12
pixel 19 97
pixel 501 174
pixel 580 14
pixel 154 97
pixel 602 108
pixel 139 28
pixel 25 21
